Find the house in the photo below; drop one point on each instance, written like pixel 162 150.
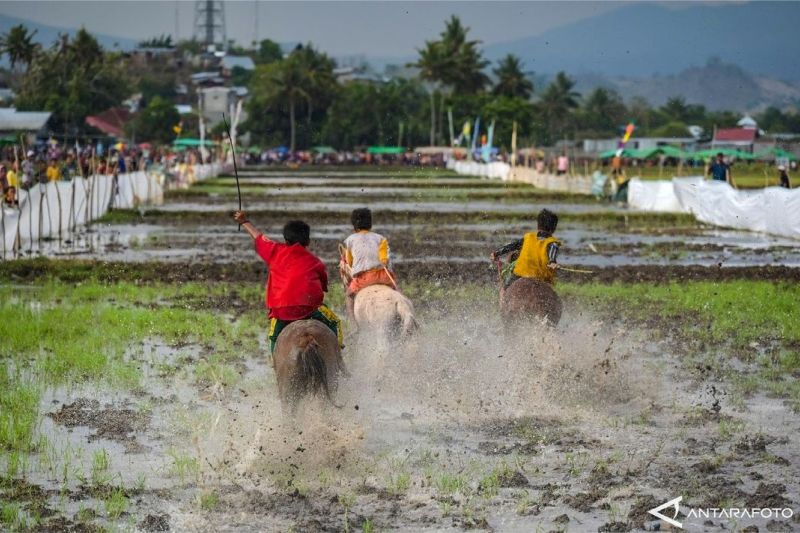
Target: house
pixel 229 63
pixel 746 137
pixel 596 146
pixel 111 121
pixel 207 78
pixel 15 122
pixel 214 101
pixel 736 138
pixel 348 74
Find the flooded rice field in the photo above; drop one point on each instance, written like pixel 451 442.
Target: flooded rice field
pixel 138 392
pixel 427 220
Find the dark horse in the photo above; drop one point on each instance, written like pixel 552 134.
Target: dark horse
pixel 307 361
pixel 527 299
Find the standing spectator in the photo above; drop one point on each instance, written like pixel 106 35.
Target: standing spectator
pixel 10 197
pixel 4 184
pixel 783 176
pixel 720 170
pixel 28 170
pixel 13 175
pixel 563 165
pixel 53 171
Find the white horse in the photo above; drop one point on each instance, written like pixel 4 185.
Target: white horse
pixel 380 311
pixel 385 313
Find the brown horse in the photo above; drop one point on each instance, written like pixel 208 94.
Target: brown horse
pixel 307 361
pixel 530 299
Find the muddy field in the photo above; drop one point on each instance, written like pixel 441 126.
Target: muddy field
pixel 139 394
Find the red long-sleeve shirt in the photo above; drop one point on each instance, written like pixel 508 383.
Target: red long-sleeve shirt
pixel 297 279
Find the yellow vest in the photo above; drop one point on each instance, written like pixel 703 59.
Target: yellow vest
pixel 532 262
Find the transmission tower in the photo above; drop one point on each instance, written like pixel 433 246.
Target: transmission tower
pixel 209 23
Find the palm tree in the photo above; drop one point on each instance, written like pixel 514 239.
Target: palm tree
pixel 18 44
pixel 676 109
pixel 558 102
pixel 451 64
pixel 603 110
pixel 462 61
pixel 511 80
pixel 432 65
pixel 319 79
pixel 284 84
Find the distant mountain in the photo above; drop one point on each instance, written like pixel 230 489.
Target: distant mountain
pixel 646 39
pixel 47 35
pixel 717 85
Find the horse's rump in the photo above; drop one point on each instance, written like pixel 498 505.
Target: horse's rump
pixel 385 311
pixel 307 361
pixel 528 298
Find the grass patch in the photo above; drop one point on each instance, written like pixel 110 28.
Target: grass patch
pixel 184 467
pixel 116 503
pixel 736 313
pixel 607 219
pixel 19 408
pixel 755 321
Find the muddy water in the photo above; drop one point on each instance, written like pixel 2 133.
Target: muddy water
pixel 467 427
pixel 601 245
pixel 412 243
pixel 455 206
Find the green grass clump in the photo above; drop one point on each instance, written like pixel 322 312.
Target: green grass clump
pixel 736 312
pixel 116 503
pixel 19 410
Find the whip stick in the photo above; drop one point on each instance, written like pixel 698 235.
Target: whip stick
pixel 235 170
pixel 575 270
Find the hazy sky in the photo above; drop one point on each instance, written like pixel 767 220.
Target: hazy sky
pixel 340 28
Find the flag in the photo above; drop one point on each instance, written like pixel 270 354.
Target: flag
pixel 464 135
pixel 625 138
pixel 475 135
pixel 514 144
pixel 487 143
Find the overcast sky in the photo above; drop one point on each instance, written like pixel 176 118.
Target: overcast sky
pixel 340 28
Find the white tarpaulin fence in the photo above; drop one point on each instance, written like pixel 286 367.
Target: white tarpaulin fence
pixel 497 169
pixel 54 209
pixel 772 210
pixel 654 196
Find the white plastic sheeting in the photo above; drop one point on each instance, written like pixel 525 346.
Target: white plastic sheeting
pixel 54 209
pixel 772 210
pixel 137 188
pixel 494 170
pixel 653 196
pixel 552 182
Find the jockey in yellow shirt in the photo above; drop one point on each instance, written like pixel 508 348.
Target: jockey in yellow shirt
pixel 538 252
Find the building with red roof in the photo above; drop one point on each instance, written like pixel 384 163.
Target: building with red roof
pixel 111 121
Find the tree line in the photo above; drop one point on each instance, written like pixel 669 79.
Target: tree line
pixel 295 99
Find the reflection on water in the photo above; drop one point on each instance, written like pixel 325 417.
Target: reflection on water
pixel 464 243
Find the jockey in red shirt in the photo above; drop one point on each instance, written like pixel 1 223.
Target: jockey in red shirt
pixel 297 280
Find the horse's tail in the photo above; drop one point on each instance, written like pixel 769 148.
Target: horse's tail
pixel 408 324
pixel 313 369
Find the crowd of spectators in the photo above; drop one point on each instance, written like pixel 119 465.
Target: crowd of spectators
pixel 21 170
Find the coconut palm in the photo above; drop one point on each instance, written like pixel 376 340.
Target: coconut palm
pixel 557 103
pixel 462 61
pixel 511 80
pixel 18 45
pixel 282 85
pixel 432 65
